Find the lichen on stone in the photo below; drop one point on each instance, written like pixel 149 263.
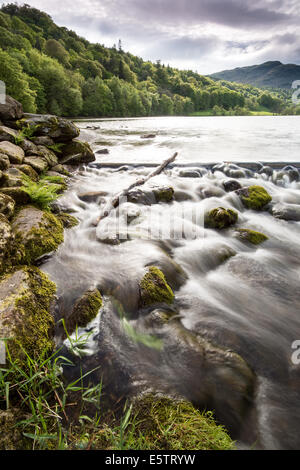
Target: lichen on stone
pixel 255 197
pixel 86 308
pixel 251 236
pixel 220 218
pixel 155 289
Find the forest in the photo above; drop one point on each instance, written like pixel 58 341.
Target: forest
pixel 50 69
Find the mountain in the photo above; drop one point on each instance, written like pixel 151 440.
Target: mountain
pixel 50 69
pixel 267 75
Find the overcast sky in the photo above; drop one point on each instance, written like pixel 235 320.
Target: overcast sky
pixel 203 35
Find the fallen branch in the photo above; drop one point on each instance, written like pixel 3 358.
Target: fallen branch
pixel 114 202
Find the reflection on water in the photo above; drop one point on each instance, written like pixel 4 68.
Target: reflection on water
pixel 230 295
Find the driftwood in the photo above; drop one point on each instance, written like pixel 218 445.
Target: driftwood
pixel 114 202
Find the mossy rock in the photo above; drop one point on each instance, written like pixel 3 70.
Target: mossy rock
pixel 58 129
pixel 85 310
pixel 36 233
pixel 77 152
pixel 220 218
pixel 7 205
pixel 5 240
pixel 68 221
pixel 169 424
pixel 251 236
pixel 25 319
pixel 255 197
pixel 14 153
pixel 155 289
pixel 164 194
pixel 18 194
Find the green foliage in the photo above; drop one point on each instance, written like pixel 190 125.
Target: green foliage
pixel 51 69
pixel 41 193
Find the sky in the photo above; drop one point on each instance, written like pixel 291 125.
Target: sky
pixel 206 36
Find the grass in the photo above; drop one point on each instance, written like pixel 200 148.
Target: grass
pixel 43 192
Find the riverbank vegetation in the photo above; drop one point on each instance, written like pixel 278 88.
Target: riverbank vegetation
pixel 50 69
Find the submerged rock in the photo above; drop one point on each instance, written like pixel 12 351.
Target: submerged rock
pixel 254 197
pixel 251 236
pixel 191 173
pixel 155 289
pixel 220 218
pixel 25 299
pixel 149 196
pixel 231 185
pixel 86 308
pixel 286 211
pixel 37 233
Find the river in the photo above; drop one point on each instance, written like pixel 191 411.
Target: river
pixel 233 300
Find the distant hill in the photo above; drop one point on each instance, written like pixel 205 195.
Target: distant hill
pixel 267 75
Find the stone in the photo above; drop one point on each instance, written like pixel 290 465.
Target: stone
pixel 11 109
pixel 12 178
pixel 25 299
pixel 286 211
pixel 37 232
pixel 77 152
pixel 86 308
pixel 254 197
pixel 190 173
pixel 19 194
pixel 43 140
pixel 48 155
pixel 220 218
pixel 14 153
pixel 155 289
pixel 93 196
pixel 27 170
pixel 58 129
pixel 5 239
pixel 231 185
pixel 4 162
pixel 61 169
pixel 8 135
pixel 7 205
pixel 29 147
pixel 39 164
pixel 103 152
pixel 251 236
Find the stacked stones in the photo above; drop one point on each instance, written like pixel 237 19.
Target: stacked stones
pixel 33 145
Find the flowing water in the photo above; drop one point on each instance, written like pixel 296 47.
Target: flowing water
pixel 233 300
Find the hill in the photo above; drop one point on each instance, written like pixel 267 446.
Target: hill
pixel 50 69
pixel 266 75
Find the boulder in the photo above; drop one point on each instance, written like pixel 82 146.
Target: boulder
pixel 250 236
pixel 19 194
pixel 5 239
pixel 36 233
pixel 61 169
pixel 27 170
pixel 7 205
pixel 10 110
pixel 29 147
pixel 286 211
pixel 39 164
pixel 254 197
pixel 4 161
pixel 155 289
pixel 25 299
pixel 77 152
pixel 149 196
pixel 220 218
pixel 7 134
pixel 48 155
pixel 12 178
pixel 43 140
pixel 86 308
pixel 58 129
pixel 190 173
pixel 231 185
pixel 14 153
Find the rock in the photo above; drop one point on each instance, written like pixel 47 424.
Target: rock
pixel 77 152
pixel 7 205
pixel 86 308
pixel 251 236
pixel 220 218
pixel 12 178
pixel 37 233
pixel 58 129
pixel 209 190
pixel 155 289
pixel 103 152
pixel 67 220
pixel 11 110
pixel 4 162
pixel 254 197
pixel 286 211
pixel 267 170
pixel 61 169
pixel 18 194
pixel 164 194
pixel 5 239
pixel 231 185
pixel 190 173
pixel 92 196
pixel 25 299
pixel 39 164
pixel 43 140
pixel 292 172
pixel 48 155
pixel 149 196
pixel 7 134
pixel 29 147
pixel 14 153
pixel 148 136
pixel 27 170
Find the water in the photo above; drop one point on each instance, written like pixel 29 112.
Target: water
pixel 232 298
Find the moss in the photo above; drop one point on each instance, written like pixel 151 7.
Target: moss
pixel 251 236
pixel 41 239
pixel 164 194
pixel 155 289
pixel 220 218
pixel 12 438
pixel 85 310
pixel 33 322
pixel 68 220
pixel 255 197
